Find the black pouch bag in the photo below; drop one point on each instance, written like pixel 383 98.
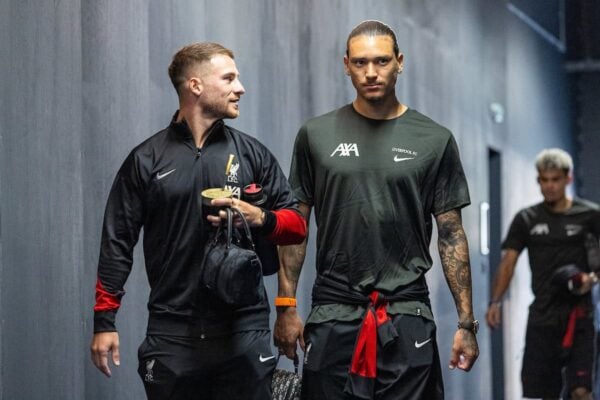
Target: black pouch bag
pixel 230 268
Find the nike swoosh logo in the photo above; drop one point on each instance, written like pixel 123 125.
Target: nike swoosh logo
pixel 160 176
pixel 398 159
pixel 263 359
pixel 419 345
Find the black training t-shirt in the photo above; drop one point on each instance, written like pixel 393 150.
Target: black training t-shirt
pixel 374 185
pixel 553 240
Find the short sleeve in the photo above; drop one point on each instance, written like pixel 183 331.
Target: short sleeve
pixel 451 189
pixel 301 171
pixel 274 183
pixel 516 239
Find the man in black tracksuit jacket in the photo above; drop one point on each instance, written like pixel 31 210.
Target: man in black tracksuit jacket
pixel 196 346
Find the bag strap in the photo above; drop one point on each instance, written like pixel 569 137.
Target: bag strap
pixel 228 228
pixel 245 225
pixel 222 229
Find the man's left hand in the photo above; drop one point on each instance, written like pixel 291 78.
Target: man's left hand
pixel 464 350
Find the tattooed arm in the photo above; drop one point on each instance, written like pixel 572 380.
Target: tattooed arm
pixel 288 325
pixel 454 254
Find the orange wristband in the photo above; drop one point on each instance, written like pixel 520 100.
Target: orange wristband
pixel 285 302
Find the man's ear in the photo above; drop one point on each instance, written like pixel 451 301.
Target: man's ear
pixel 195 86
pixel 400 60
pixel 346 61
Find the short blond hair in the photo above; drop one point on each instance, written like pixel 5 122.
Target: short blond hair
pixel 554 159
pixel 191 55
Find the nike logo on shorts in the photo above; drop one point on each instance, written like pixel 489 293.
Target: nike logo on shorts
pixel 419 345
pixel 264 359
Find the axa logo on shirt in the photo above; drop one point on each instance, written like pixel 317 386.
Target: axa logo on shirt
pixel 540 229
pixel 345 149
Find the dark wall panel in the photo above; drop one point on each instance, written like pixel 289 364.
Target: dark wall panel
pixel 588 128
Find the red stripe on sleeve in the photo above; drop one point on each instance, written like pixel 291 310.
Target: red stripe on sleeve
pixel 289 229
pixel 105 301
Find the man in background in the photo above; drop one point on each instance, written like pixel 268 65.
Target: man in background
pixel 559 234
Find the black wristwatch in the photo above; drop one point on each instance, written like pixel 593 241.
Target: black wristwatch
pixel 472 326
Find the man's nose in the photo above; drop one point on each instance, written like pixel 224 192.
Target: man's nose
pixel 239 88
pixel 371 71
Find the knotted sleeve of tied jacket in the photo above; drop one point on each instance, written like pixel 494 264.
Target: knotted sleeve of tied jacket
pixel 376 325
pixel 576 313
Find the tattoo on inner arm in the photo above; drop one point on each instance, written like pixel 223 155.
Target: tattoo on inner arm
pixel 454 254
pixel 292 259
pixel 295 267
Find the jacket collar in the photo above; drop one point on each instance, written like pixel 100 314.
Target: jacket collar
pixel 183 130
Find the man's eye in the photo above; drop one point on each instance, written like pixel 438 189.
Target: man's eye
pixel 383 61
pixel 359 63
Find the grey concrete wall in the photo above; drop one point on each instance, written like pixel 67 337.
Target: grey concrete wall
pixel 43 339
pixel 83 82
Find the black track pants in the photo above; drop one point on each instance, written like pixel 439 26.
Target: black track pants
pixel 236 367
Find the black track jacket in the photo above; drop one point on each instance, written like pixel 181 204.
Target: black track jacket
pixel 158 188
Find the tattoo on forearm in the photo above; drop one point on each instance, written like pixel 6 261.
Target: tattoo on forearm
pixel 454 254
pixel 295 261
pixel 292 258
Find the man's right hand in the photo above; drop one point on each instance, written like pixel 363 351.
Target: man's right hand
pixel 288 331
pixel 587 281
pixel 104 343
pixel 493 316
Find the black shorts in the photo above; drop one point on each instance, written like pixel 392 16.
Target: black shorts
pixel 545 358
pixel 235 367
pixel 409 368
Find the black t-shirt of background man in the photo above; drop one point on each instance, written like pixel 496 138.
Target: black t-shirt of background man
pixel 553 240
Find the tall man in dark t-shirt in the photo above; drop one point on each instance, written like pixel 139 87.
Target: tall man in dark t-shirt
pixel 375 172
pixel 558 233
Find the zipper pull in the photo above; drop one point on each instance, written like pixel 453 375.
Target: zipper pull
pixel 198 152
